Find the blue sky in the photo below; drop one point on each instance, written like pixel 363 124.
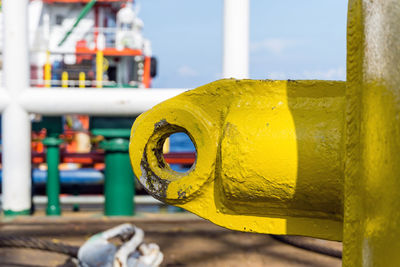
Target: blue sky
pixel 289 39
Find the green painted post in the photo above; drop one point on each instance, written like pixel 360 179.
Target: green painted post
pixel 10 213
pixel 53 176
pixel 119 183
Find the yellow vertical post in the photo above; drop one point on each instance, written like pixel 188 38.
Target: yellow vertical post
pixel 372 175
pixel 82 79
pixel 64 79
pixel 47 70
pixel 99 69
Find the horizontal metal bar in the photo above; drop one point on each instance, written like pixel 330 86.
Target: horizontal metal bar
pixel 139 200
pixel 58 101
pixel 76 83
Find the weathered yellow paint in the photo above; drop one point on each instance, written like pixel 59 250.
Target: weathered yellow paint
pixel 269 155
pixel 372 175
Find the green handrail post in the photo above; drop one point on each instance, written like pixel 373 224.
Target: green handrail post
pixel 119 184
pixel 53 176
pixel 54 128
pixel 119 179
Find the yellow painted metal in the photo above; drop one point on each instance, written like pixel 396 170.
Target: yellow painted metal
pixel 270 155
pixel 166 146
pixel 294 157
pixel 64 79
pixel 47 71
pixel 82 79
pixel 99 68
pixel 372 175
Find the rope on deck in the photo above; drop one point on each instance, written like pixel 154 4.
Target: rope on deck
pixel 300 243
pixel 36 243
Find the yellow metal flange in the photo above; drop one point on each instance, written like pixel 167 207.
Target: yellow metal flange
pixel 269 155
pixel 294 157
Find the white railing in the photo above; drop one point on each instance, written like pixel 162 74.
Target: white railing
pixel 76 83
pixel 110 34
pixel 93 200
pixel 17 99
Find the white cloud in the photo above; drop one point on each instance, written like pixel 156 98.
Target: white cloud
pixel 218 75
pixel 187 71
pixel 330 74
pixel 276 75
pixel 273 45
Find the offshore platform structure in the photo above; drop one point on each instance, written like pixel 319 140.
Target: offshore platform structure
pixel 81 43
pixel 77 45
pixel 91 44
pixel 312 158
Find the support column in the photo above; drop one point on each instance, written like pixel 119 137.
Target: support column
pixel 53 175
pixel 372 176
pixel 119 185
pixel 119 180
pixel 16 126
pixel 236 39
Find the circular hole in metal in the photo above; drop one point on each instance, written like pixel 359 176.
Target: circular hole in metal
pixel 179 152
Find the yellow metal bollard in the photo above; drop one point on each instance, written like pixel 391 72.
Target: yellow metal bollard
pixel 312 158
pixel 99 69
pixel 82 80
pixel 166 146
pixel 47 71
pixel 64 79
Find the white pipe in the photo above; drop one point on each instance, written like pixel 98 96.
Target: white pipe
pixel 4 99
pixel 16 136
pixel 94 101
pixel 16 133
pixel 236 39
pixel 15 56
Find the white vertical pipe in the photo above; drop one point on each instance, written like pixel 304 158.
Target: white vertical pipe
pixel 236 39
pixel 4 99
pixel 16 128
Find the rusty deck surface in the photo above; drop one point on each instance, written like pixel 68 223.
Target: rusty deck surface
pixel 185 240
